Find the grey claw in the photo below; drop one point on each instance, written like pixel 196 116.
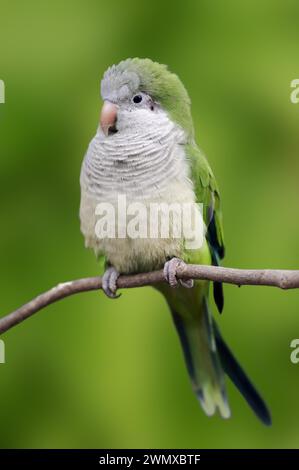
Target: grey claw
pixel 109 283
pixel 170 269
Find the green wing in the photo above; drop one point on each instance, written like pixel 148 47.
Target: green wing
pixel 207 193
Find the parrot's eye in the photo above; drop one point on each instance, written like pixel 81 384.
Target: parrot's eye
pixel 137 99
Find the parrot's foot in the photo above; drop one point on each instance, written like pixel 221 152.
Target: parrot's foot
pixel 170 270
pixel 109 283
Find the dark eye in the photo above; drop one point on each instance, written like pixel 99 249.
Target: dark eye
pixel 137 99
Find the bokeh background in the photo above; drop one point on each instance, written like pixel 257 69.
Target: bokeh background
pixel 90 372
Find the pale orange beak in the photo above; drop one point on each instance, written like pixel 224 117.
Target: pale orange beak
pixel 108 118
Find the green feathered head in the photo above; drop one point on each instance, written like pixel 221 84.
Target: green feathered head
pixel 142 83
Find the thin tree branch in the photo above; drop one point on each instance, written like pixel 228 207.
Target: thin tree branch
pixel 284 279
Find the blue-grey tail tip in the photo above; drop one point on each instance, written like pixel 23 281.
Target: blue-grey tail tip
pixel 259 408
pixel 264 415
pixel 237 375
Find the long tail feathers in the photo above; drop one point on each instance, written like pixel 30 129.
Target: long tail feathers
pixel 203 363
pixel 207 358
pixel 240 380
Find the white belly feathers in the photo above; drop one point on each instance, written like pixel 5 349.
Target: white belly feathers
pixel 148 165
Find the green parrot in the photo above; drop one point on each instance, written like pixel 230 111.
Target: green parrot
pixel 145 148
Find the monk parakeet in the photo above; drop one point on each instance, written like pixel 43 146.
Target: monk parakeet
pixel 145 148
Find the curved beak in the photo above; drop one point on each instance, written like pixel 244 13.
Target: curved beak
pixel 108 118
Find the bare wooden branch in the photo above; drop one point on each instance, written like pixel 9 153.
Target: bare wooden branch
pixel 284 279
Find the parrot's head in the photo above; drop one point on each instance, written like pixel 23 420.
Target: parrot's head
pixel 140 94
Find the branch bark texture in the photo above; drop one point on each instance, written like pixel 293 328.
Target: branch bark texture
pixel 284 279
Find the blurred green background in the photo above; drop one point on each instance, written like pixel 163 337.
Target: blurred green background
pixel 90 372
